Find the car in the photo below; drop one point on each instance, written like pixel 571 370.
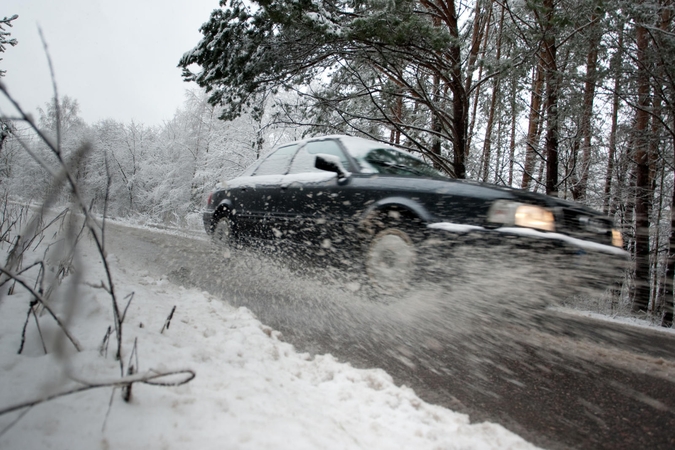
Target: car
pixel 355 200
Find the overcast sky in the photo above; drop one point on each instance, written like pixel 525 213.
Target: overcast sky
pixel 117 58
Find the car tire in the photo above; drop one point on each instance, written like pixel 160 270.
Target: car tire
pixel 222 236
pixel 391 258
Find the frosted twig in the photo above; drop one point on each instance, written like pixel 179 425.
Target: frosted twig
pixel 39 298
pixel 168 320
pixel 37 324
pixel 148 377
pixel 15 421
pixel 124 314
pixel 107 413
pixel 25 327
pixel 131 369
pixel 103 349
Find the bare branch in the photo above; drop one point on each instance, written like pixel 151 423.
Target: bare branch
pixel 39 298
pixel 150 377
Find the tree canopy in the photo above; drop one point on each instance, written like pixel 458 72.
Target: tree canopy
pixel 385 55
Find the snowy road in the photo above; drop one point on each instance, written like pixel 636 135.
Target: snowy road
pixel 558 380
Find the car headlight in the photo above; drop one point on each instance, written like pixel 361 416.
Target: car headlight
pixel 531 216
pixel 617 239
pixel 509 213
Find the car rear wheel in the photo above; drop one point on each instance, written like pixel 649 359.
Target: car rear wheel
pixel 222 238
pixel 391 260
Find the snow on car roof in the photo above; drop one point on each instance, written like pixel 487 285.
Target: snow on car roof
pixel 357 147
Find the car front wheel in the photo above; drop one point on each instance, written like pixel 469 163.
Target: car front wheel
pixel 391 260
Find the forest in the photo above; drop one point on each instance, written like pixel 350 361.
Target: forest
pixel 572 98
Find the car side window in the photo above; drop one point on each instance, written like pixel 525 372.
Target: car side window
pixel 277 163
pixel 397 163
pixel 304 160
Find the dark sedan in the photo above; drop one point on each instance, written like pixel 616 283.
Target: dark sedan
pixel 360 200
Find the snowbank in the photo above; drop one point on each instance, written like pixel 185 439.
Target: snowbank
pixel 252 390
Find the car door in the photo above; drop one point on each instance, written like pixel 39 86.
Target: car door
pixel 317 206
pixel 257 198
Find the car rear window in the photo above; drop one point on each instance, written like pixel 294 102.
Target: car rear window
pixel 277 163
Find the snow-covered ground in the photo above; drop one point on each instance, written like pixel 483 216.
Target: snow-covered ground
pixel 251 390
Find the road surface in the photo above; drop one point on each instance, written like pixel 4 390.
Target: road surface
pixel 557 379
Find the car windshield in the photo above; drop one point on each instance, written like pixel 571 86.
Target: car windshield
pixel 393 162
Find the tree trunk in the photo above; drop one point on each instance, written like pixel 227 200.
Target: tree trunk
pixel 533 127
pixel 669 292
pixel 499 157
pixel 460 104
pixel 487 142
pixel 395 137
pixel 436 126
pixel 552 83
pixel 579 191
pixel 445 11
pixel 667 318
pixel 479 37
pixel 616 69
pixel 654 258
pixel 642 182
pixel 512 140
pixel 479 22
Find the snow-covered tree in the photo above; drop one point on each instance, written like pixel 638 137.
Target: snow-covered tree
pixel 252 51
pixel 5 40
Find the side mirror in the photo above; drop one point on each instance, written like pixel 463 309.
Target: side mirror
pixel 331 163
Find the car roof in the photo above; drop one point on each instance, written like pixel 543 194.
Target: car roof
pixel 357 147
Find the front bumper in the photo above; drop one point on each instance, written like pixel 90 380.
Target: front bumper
pixel 556 263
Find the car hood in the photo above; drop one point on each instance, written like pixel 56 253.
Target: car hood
pixel 494 191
